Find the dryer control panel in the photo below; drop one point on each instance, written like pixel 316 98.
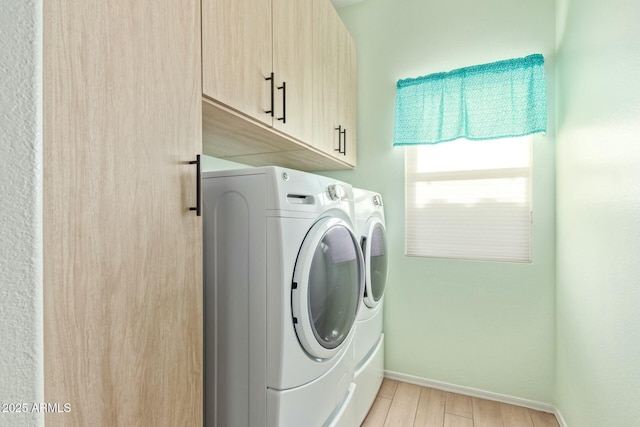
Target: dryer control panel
pixel 336 192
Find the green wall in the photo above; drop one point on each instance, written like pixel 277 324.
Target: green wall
pixel 598 242
pixel 485 325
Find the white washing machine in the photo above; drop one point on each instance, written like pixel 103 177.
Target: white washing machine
pixel 369 338
pixel 283 283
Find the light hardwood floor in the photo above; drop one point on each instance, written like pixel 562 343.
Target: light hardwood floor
pixel 400 404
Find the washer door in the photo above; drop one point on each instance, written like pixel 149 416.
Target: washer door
pixel 328 283
pixel 374 249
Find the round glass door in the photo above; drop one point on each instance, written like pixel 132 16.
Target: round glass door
pixel 374 247
pixel 327 287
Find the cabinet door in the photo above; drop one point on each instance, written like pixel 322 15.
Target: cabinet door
pixel 347 93
pixel 325 77
pixel 122 252
pixel 292 65
pixel 236 55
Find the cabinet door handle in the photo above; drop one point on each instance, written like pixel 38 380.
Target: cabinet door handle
pixel 284 102
pixel 198 207
pixel 272 80
pixel 339 129
pixel 344 141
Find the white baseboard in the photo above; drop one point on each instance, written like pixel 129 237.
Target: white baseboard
pixel 474 392
pixel 561 420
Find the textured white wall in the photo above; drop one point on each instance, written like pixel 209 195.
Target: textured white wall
pixel 598 220
pixel 21 356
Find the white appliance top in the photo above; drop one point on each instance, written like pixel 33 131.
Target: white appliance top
pixel 297 191
pixel 367 204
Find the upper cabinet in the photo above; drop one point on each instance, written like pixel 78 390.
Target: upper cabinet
pixel 265 102
pixel 334 80
pixel 347 93
pixel 236 54
pixel 292 67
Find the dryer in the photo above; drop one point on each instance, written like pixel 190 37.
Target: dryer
pixel 369 338
pixel 283 284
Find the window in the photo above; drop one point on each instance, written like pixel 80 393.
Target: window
pixel 467 138
pixel 469 199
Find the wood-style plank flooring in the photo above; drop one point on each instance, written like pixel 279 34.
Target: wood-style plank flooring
pixel 400 404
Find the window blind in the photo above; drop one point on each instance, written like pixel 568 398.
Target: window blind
pixel 469 200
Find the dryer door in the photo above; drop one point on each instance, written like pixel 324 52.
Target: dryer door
pixel 374 249
pixel 328 283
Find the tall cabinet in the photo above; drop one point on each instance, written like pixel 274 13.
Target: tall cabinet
pixel 122 249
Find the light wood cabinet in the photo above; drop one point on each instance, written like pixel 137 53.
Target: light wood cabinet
pixel 334 121
pixel 325 77
pixel 256 60
pixel 122 251
pixel 294 127
pixel 237 55
pixel 292 66
pixel 347 94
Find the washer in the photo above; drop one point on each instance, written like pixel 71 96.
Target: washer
pixel 283 284
pixel 369 339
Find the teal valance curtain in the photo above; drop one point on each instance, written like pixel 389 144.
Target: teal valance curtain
pixel 489 101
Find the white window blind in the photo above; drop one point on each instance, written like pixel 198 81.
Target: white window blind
pixel 469 199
